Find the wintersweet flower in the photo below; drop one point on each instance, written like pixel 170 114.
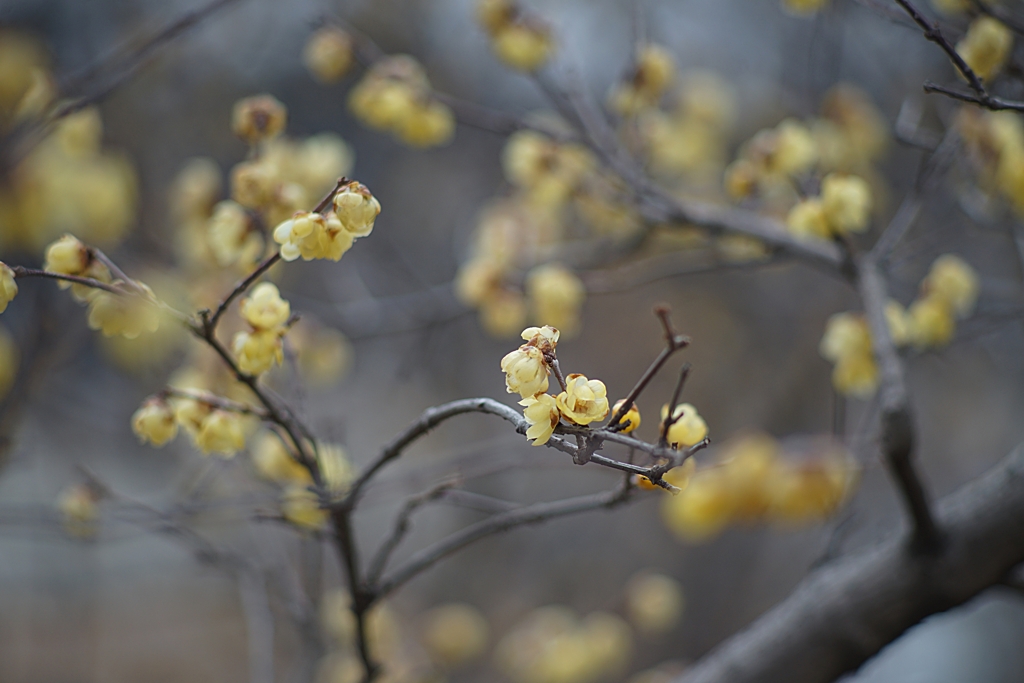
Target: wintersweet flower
pixel 259 350
pixel 526 371
pixel 689 427
pixel 845 334
pixel 8 287
pixel 264 308
pixel 328 54
pixel 954 280
pixel 856 375
pixel 931 322
pixel 986 46
pixel 300 235
pixel 221 432
pixel 584 400
pixel 847 202
pixel 126 315
pixel 356 208
pixel 259 118
pixel 541 411
pixel 154 422
pixel 301 507
pixel 67 256
pixel 631 418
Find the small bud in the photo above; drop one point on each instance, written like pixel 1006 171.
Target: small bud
pixel 328 54
pixel 688 429
pixel 258 118
pixel 631 418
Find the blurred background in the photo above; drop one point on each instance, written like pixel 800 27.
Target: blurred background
pixel 132 601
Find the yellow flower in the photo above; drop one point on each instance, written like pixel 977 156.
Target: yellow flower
pixel 523 46
pixel 300 235
pixel 301 507
pixel 231 236
pixel 275 463
pixel 503 313
pixel 190 413
pixel 67 256
pixel 631 418
pixel 654 602
pixel 545 338
pixel 584 400
pixel 847 202
pixel 986 46
pixel 328 54
pixel 556 295
pixel 78 510
pixel 80 134
pixel 655 69
pixel 846 334
pixel 253 184
pixel 259 350
pixel 689 428
pixel 455 633
pixel 478 279
pixel 807 219
pixel 748 463
pixel 898 322
pixel 429 125
pixel 526 372
pixel 154 422
pixel 803 7
pixel 954 280
pixel 335 467
pixel 812 490
pixel 931 322
pixel 8 287
pixel 794 151
pixel 195 189
pixel 264 309
pixel 259 118
pixel 9 360
pixel 856 374
pixel 221 432
pixel 541 412
pixel 492 15
pixel 128 315
pixel 741 179
pixel 702 510
pixel 356 208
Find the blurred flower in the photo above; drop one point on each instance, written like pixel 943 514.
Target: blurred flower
pixel 654 602
pixel 986 46
pixel 846 200
pixel 258 351
pixel 955 281
pixel 455 633
pixel 264 308
pixel 328 54
pixel 8 287
pixel 301 507
pixel 556 296
pixel 221 432
pixel 78 510
pixel 931 322
pixel 259 118
pixel 154 422
pixel 275 463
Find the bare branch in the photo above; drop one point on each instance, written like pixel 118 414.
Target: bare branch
pixel 845 612
pixel 22 272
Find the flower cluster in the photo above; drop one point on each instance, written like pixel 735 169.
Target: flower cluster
pixel 844 206
pixel 395 96
pixel 949 291
pixel 521 41
pixel 258 349
pixel 651 77
pixel 753 480
pixel 316 236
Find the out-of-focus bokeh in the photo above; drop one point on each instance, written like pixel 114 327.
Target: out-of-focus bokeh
pixel 638 590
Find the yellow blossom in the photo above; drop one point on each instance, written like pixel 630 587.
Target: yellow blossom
pixel 9 360
pixel 8 287
pixel 847 202
pixel 794 151
pixel 954 280
pixel 258 351
pixel 492 15
pixel 703 510
pixel 986 46
pixel 478 279
pixel 221 432
pixel 128 315
pixel 846 334
pixel 523 46
pixel 584 400
pixel 856 374
pixel 654 71
pixel 335 467
pixel 78 510
pixel 356 208
pixel 899 323
pixel 275 463
pixel 654 602
pixel 931 322
pixel 231 236
pixel 556 295
pixel 526 372
pixel 631 418
pixel 748 463
pixel 190 413
pixel 253 184
pixel 503 313
pixel 154 422
pixel 259 118
pixel 67 256
pixel 455 633
pixel 80 134
pixel 811 490
pixel 689 427
pixel 264 308
pixel 301 507
pixel 328 54
pixel 195 189
pixel 807 219
pixel 541 412
pixel 429 125
pixel 803 7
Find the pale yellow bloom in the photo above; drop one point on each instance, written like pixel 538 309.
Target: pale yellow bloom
pixel 335 467
pixel 545 337
pixel 253 184
pixel 631 418
pixel 856 374
pixel 259 118
pixel 9 361
pixel 556 296
pixel 231 236
pixel 190 413
pixel 264 308
pixel 795 151
pixel 703 509
pixel 846 334
pixel 328 54
pixel 748 462
pixel 382 103
pixel 356 208
pixel 689 428
pixel 78 510
pixel 80 134
pixel 196 189
pixel 986 46
pixel 847 202
pixel 807 219
pixel 931 322
pixel 541 412
pixel 812 490
pixel 301 507
pixel 655 69
pixel 804 7
pixel 654 602
pixel 221 432
pixel 259 350
pixel 584 400
pixel 741 179
pixel 455 633
pixel 898 322
pixel 275 463
pixel 503 313
pixel 154 422
pixel 128 315
pixel 428 125
pixel 523 46
pixel 67 256
pixel 954 280
pixel 8 287
pixel 526 372
pixel 478 280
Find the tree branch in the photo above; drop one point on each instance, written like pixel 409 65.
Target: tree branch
pixel 845 612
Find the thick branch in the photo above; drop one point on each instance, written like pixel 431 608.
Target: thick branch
pixel 845 612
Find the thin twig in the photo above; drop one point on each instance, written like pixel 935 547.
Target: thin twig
pixel 22 271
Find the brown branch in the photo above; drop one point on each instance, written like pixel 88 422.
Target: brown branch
pixel 216 401
pixel 22 271
pixel 897 428
pixel 985 100
pixel 845 612
pixel 530 514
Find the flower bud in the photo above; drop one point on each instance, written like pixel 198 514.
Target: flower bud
pixel 154 422
pixel 631 418
pixel 258 118
pixel 8 287
pixel 688 429
pixel 356 208
pixel 328 54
